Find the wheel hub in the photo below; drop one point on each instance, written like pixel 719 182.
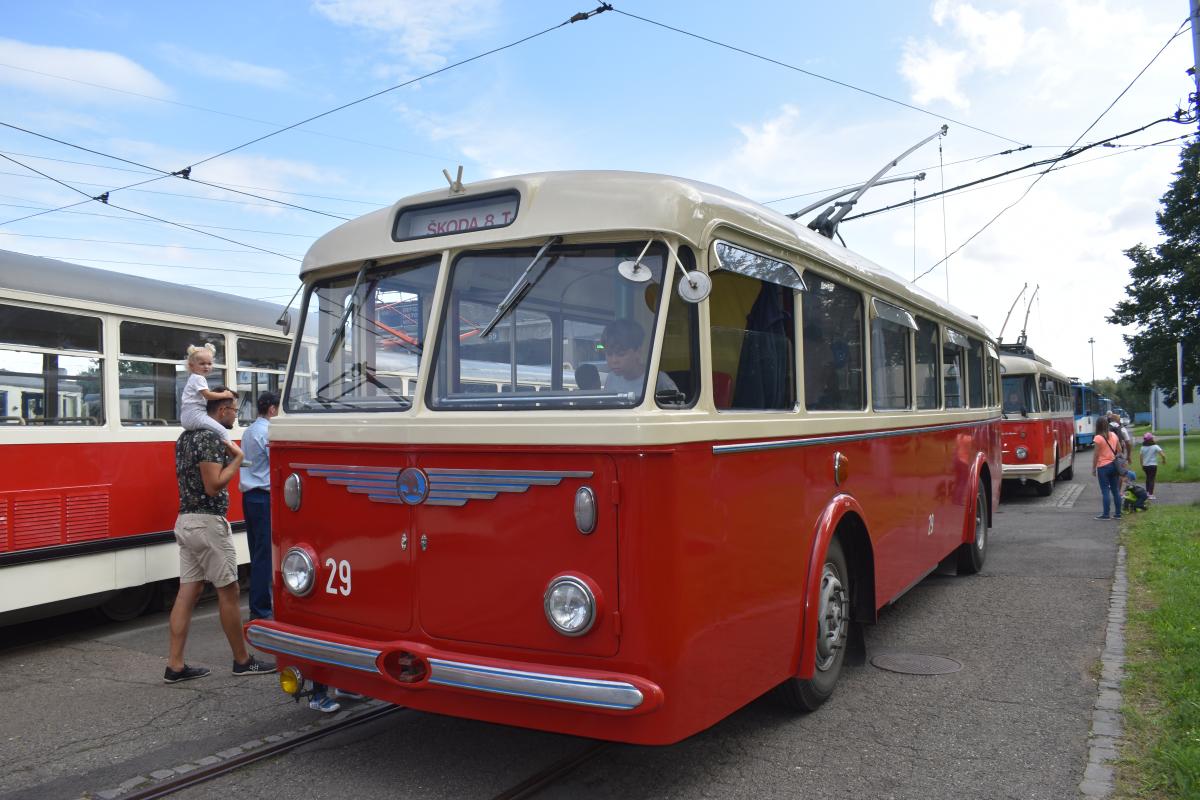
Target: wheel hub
pixel 833 618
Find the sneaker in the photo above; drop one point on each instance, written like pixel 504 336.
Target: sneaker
pixel 324 704
pixel 185 674
pixel 1151 497
pixel 254 667
pixel 1103 516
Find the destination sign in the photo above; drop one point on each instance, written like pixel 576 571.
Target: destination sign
pixel 459 216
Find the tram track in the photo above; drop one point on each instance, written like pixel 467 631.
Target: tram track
pixel 205 774
pixel 528 787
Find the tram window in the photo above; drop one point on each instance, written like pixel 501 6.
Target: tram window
pixel 752 343
pixel 51 389
pixel 261 354
pixel 151 391
pixel 891 375
pixel 680 357
pixel 52 329
pixel 927 364
pixel 833 347
pixel 261 365
pixel 250 384
pixel 954 358
pixel 975 357
pixel 143 340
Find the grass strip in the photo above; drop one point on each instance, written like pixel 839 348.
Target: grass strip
pixel 1161 752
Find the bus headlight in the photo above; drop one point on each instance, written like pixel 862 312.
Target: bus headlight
pixel 570 606
pixel 291 491
pixel 291 681
pixel 1022 452
pixel 299 571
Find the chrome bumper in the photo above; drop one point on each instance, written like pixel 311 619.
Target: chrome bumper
pixel 530 684
pixel 1020 470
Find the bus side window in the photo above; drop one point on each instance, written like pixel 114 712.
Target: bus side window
pixel 953 361
pixel 834 379
pixel 752 343
pixel 928 385
pixel 152 370
pixel 680 357
pixel 891 377
pixel 40 388
pixel 975 373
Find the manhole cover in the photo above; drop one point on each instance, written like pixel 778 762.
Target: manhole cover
pixel 916 663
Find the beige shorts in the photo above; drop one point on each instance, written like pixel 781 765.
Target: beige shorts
pixel 206 551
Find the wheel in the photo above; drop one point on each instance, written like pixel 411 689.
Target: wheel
pixel 1069 472
pixel 971 554
pixel 833 629
pixel 1045 489
pixel 127 604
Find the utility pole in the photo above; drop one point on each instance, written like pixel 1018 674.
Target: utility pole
pixel 1179 397
pixel 1092 342
pixel 1195 17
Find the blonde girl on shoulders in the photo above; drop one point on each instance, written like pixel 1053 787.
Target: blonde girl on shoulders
pixel 196 394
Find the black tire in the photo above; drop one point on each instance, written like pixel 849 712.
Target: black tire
pixel 1046 489
pixel 1069 472
pixel 971 555
pixel 127 604
pixel 833 620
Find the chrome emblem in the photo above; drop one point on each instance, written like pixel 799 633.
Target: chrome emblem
pixel 412 486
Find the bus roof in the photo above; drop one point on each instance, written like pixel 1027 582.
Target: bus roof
pixel 61 279
pixel 1022 365
pixel 618 202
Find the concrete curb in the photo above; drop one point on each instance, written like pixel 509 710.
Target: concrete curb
pixel 1105 739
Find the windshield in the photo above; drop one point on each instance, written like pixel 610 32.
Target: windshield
pixel 579 336
pixel 371 327
pixel 1019 396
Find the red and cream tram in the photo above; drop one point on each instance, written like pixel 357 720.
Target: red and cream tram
pixel 566 550
pixel 91 370
pixel 1038 431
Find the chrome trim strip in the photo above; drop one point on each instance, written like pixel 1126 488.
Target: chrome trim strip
pixel 617 695
pixel 721 449
pixel 447 487
pixel 341 655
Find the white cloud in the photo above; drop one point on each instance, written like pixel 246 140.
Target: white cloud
pixel 935 72
pixel 419 32
pixel 31 67
pixel 221 68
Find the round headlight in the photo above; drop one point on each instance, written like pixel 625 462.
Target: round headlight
pixel 570 606
pixel 291 491
pixel 1022 452
pixel 299 572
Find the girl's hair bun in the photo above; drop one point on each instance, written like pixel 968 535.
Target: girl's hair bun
pixel 193 349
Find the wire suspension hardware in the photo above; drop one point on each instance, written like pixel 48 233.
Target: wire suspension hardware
pixel 826 224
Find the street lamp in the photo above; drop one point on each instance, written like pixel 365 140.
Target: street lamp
pixel 1092 342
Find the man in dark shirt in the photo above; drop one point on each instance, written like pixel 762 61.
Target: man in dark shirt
pixel 204 466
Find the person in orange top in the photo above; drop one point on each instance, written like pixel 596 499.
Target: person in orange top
pixel 1106 445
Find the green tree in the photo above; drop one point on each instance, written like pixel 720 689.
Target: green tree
pixel 1164 293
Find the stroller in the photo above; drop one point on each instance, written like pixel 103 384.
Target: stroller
pixel 1136 498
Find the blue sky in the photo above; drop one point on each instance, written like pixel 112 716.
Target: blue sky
pixel 169 84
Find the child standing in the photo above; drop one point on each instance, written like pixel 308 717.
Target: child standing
pixel 193 411
pixel 1149 454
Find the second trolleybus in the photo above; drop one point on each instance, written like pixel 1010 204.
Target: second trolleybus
pixel 718 444
pixel 1038 428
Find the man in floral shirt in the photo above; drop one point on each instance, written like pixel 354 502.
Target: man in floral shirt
pixel 204 466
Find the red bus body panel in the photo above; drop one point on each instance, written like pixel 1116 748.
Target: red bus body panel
pixel 701 562
pixel 1039 436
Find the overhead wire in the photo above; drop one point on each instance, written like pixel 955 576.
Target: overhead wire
pixel 816 75
pixel 128 244
pixel 1078 138
pixel 128 219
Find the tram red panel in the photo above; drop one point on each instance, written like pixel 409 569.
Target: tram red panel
pixel 71 492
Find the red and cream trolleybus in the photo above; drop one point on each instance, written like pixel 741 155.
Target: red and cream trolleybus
pixel 719 444
pixel 91 371
pixel 1038 430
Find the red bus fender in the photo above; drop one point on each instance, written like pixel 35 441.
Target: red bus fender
pixel 823 532
pixel 976 475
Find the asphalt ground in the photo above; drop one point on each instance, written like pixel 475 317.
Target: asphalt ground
pixel 85 710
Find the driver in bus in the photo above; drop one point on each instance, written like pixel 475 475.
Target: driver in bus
pixel 622 344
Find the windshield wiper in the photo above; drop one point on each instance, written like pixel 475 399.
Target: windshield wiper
pixel 521 287
pixel 339 334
